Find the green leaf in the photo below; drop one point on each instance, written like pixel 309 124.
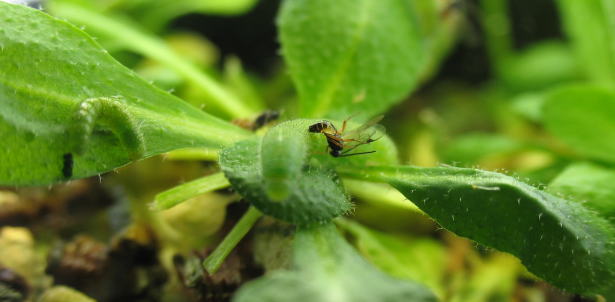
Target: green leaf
pixel 283 155
pixel 582 117
pixel 369 56
pixel 558 240
pixel 150 46
pixel 590 25
pixel 287 175
pixel 273 174
pixel 57 85
pixel 327 269
pixel 529 105
pixel 536 66
pixel 541 65
pixel 419 260
pixel 589 184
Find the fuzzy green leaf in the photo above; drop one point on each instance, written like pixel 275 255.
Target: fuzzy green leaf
pixel 369 56
pixel 273 174
pixel 327 269
pixel 558 240
pixel 287 175
pixel 590 25
pixel 69 110
pixel 582 117
pixel 590 184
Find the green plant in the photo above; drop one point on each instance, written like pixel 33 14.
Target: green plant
pixel 69 110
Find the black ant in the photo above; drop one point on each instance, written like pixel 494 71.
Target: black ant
pixel 337 140
pixel 260 121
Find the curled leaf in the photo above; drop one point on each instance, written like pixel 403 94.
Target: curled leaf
pixel 48 68
pixel 282 183
pixel 288 174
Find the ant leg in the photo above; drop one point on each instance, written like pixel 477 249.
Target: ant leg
pixel 346 122
pixel 343 126
pixel 359 153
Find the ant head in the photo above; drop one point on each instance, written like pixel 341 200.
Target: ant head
pixel 319 127
pixel 335 153
pixel 314 128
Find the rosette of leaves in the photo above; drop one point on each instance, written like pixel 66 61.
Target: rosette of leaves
pixel 69 110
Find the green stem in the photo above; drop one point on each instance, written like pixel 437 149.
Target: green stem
pixel 204 154
pixel 213 262
pixel 177 195
pixel 152 47
pixel 360 174
pixel 379 193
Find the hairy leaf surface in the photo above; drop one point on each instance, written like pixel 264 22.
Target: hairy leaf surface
pixel 558 240
pixel 288 175
pixel 55 81
pixel 314 195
